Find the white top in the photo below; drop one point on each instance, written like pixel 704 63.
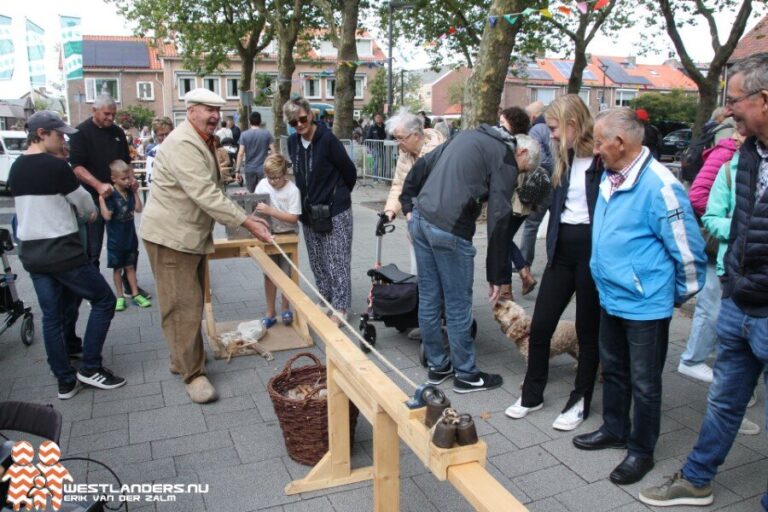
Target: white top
pixel 576 210
pixel 305 142
pixel 286 199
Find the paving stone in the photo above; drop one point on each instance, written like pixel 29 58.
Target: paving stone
pixel 596 497
pixel 441 494
pixel 589 465
pixel 128 391
pixel 258 442
pixel 96 425
pixel 320 504
pixel 166 423
pixel 548 482
pixel 211 459
pixel 524 461
pixel 190 444
pixel 227 420
pixel 129 405
pixel 270 475
pixel 747 480
pixel 98 441
pixel 123 455
pixel 521 432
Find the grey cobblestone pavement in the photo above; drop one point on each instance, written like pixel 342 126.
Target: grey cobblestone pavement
pixel 148 431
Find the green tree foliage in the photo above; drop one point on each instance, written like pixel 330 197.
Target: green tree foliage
pixel 377 93
pixel 134 116
pixel 406 86
pixel 673 106
pixel 206 31
pixel 672 15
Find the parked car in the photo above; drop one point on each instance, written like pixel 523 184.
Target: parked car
pixel 674 143
pixel 12 144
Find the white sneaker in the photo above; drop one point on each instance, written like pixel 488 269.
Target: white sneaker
pixel 699 371
pixel 571 418
pixel 752 400
pixel 517 411
pixel 748 428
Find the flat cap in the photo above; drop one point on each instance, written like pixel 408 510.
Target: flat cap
pixel 202 96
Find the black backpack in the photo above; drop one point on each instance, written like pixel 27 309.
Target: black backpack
pixel 692 159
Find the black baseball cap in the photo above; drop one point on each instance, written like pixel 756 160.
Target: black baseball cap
pixel 49 120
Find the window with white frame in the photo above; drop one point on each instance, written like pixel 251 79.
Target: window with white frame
pixel 330 88
pixel 584 95
pixel 359 88
pixel 326 49
pixel 233 88
pixel 145 91
pixel 311 87
pixel 185 84
pixel 211 83
pixel 179 117
pixel 364 47
pixel 624 96
pixel 545 95
pixel 97 86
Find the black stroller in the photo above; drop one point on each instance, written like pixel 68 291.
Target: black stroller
pixel 10 304
pixel 394 297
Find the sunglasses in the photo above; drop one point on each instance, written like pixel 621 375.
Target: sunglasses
pixel 295 122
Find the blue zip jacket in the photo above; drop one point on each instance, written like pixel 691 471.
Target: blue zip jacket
pixel 647 250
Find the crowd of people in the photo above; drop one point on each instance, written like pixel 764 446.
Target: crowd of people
pixel 624 237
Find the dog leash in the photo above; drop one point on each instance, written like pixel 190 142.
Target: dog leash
pixel 373 350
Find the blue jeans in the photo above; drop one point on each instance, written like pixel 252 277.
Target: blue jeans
pixel 531 228
pixel 703 337
pixel 446 265
pixel 741 358
pixel 55 293
pixel 633 354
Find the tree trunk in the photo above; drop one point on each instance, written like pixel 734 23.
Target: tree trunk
pixel 285 68
pixel 246 77
pixel 708 100
pixel 577 72
pixel 345 72
pixel 482 95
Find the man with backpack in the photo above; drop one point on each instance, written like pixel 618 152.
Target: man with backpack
pixel 719 128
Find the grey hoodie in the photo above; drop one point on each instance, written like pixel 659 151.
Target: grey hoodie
pixel 476 166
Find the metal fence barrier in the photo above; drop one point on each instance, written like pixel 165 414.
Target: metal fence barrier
pixel 380 159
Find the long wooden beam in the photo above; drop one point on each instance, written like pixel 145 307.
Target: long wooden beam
pixel 377 396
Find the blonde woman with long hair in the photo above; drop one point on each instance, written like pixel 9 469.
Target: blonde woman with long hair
pixel 575 183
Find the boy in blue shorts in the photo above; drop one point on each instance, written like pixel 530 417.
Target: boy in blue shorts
pixel 122 242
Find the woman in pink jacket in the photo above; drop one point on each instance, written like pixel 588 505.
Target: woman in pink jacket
pixel 714 158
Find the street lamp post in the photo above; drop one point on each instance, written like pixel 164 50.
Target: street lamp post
pixel 393 5
pixel 603 67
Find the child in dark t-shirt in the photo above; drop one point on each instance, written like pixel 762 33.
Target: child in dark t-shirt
pixel 122 242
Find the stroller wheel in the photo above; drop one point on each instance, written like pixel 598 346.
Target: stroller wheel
pixel 27 329
pixel 473 329
pixel 369 334
pixel 422 355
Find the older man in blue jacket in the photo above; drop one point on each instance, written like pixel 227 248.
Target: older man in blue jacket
pixel 647 256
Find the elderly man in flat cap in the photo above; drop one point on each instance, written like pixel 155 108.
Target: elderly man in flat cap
pixel 187 199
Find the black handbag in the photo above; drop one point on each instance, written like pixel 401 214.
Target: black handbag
pixel 535 188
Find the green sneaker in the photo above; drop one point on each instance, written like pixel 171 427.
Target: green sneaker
pixel 677 491
pixel 141 301
pixel 120 304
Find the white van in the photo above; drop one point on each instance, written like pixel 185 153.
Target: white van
pixel 12 144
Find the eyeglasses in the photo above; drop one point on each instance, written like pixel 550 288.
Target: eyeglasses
pixel 403 139
pixel 295 122
pixel 729 102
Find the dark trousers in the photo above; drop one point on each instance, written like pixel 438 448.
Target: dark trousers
pixel 568 273
pixel 518 262
pixel 633 354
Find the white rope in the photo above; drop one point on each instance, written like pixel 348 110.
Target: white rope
pixel 343 320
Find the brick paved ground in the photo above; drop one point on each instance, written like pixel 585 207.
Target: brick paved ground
pixel 148 431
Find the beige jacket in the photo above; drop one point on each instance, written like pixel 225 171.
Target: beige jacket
pixel 519 208
pixel 186 197
pixel 432 139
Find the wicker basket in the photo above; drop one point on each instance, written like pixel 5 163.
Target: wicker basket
pixel 304 422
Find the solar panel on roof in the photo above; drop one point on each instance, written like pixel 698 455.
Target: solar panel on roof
pixel 566 68
pixel 122 54
pixel 616 73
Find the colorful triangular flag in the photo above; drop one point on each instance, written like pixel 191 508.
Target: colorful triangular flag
pixel 492 20
pixel 564 10
pixel 545 12
pixel 510 19
pixel 600 4
pixel 582 7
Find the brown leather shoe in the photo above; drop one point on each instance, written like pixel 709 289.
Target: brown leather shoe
pixel 529 283
pixel 201 391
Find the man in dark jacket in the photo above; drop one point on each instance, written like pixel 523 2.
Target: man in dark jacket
pixel 742 326
pixel 377 132
pixel 453 181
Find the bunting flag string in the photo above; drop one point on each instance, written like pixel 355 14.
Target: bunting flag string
pixel 512 18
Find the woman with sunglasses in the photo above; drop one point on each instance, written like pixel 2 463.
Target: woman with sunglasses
pixel 325 176
pixel 575 184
